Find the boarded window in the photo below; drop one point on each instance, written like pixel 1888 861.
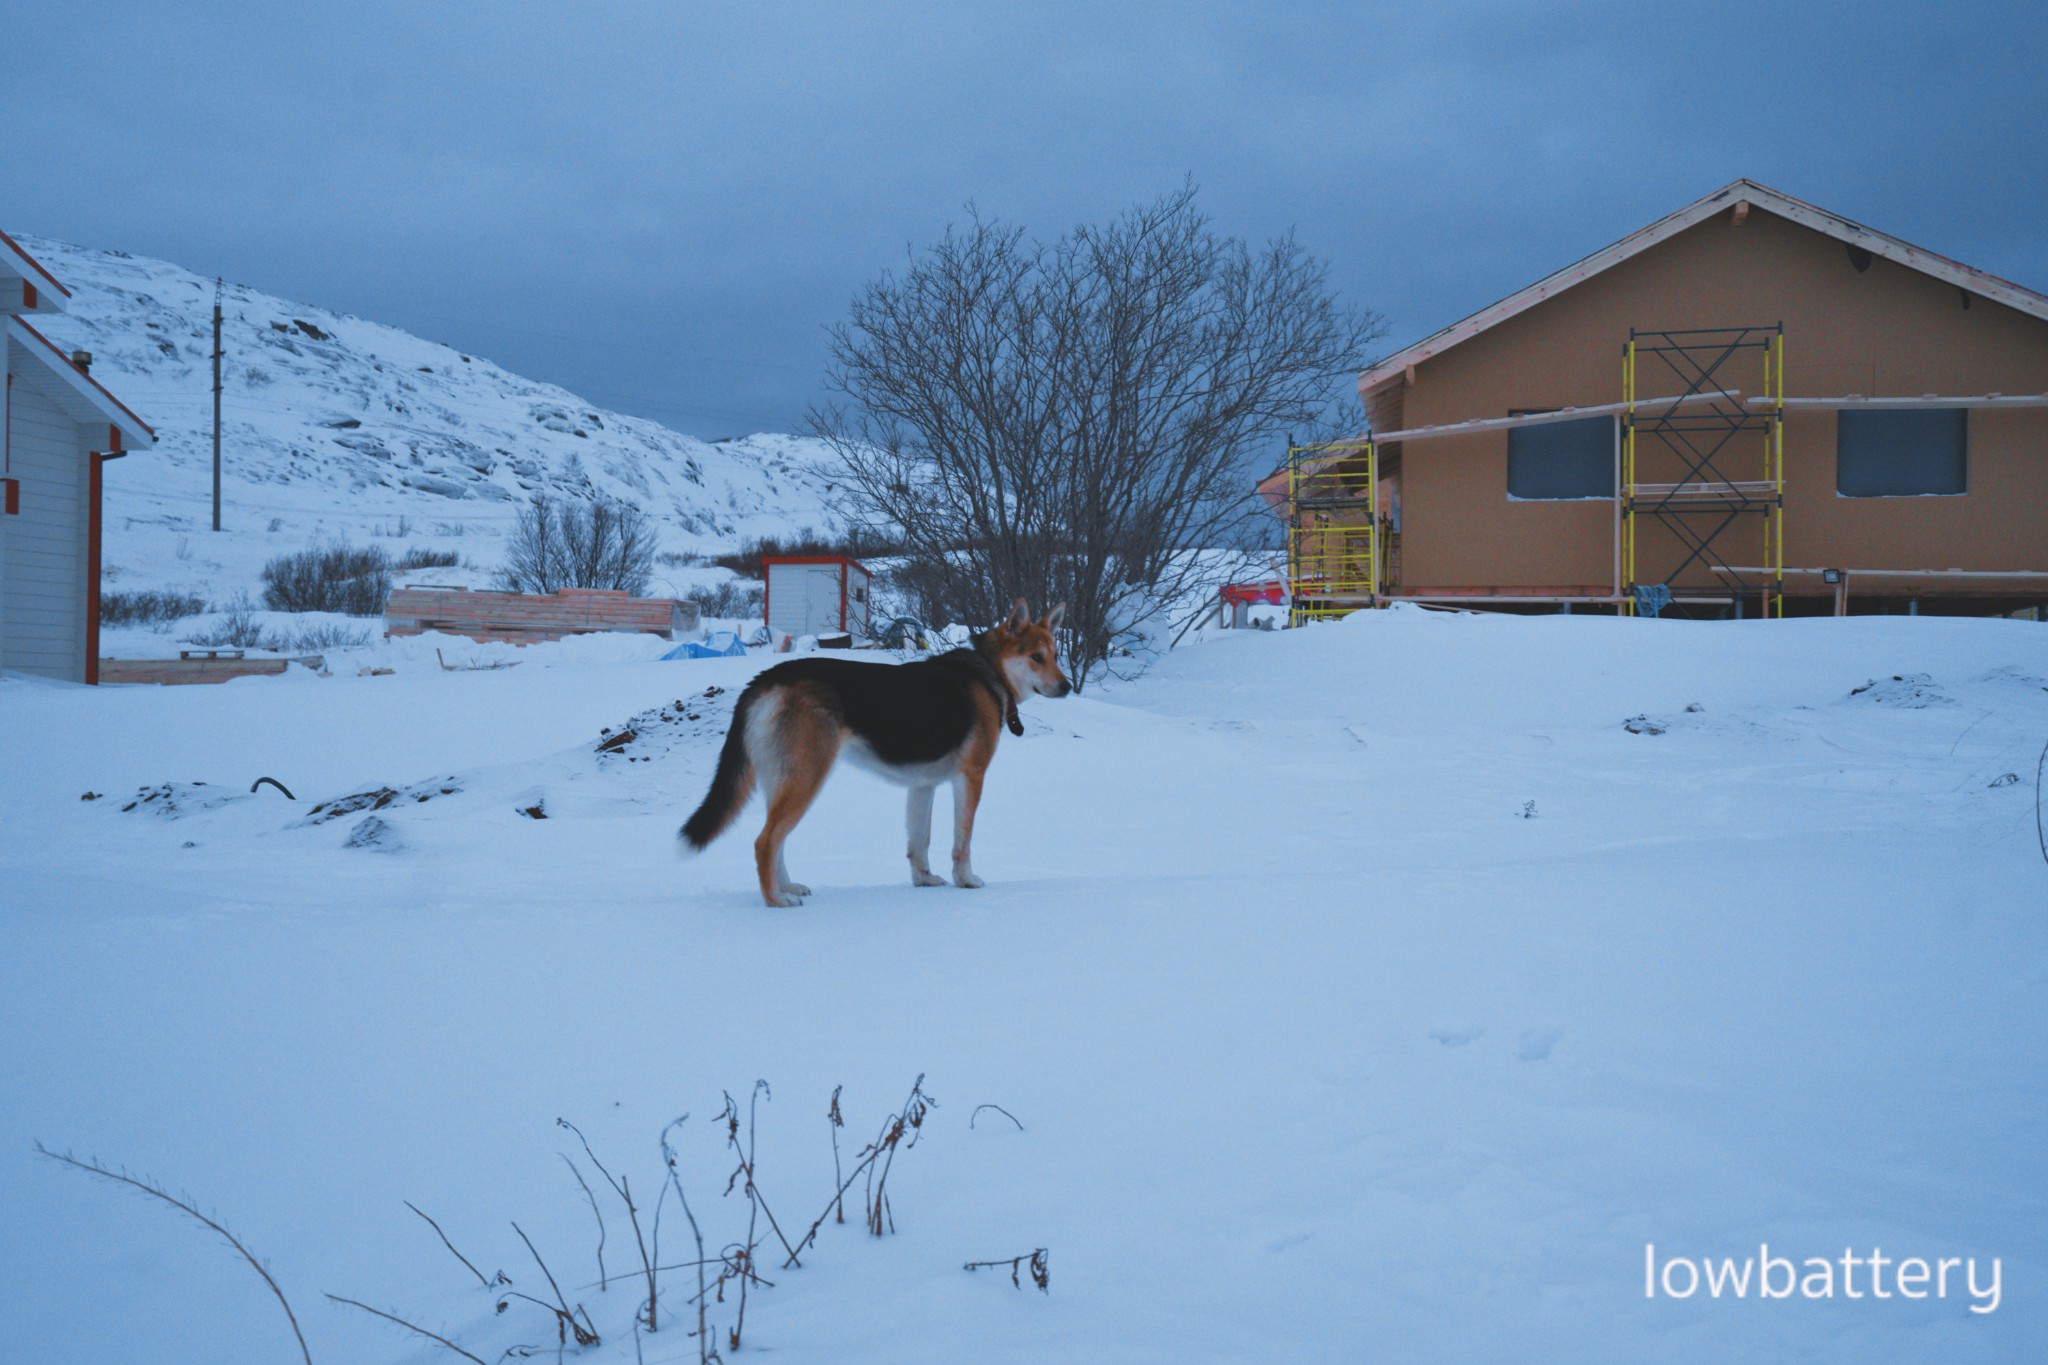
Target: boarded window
pixel 1901 452
pixel 1572 459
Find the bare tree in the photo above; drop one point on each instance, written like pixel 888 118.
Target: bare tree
pixel 601 544
pixel 1074 420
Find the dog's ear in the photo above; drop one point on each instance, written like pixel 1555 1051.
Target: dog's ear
pixel 1019 617
pixel 1054 617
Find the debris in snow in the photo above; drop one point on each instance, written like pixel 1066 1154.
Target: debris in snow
pixel 1643 725
pixel 1910 691
pixel 2005 779
pixel 1694 708
pixel 1528 810
pixel 173 799
pixel 374 832
pixel 537 811
pixel 377 799
pixel 90 796
pixel 657 732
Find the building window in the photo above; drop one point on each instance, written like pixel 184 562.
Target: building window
pixel 1901 452
pixel 1562 460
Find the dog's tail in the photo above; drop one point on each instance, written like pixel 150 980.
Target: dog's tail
pixel 731 785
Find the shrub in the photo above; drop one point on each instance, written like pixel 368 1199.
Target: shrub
pixel 731 600
pixel 320 637
pixel 336 578
pixel 421 557
pixel 238 628
pixel 602 544
pixel 147 608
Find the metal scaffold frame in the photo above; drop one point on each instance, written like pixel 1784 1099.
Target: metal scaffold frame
pixel 1335 544
pixel 1704 440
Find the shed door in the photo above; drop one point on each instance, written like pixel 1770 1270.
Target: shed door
pixel 803 599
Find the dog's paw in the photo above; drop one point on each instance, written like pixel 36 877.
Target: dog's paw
pixel 782 900
pixel 797 889
pixel 967 880
pixel 926 879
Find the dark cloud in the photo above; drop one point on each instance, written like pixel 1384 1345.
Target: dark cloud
pixel 663 205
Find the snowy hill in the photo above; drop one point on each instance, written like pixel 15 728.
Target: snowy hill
pixel 338 428
pixel 1375 990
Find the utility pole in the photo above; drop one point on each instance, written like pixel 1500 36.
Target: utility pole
pixel 216 402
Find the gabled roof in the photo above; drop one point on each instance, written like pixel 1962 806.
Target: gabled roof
pixel 1741 191
pixel 17 265
pixel 81 396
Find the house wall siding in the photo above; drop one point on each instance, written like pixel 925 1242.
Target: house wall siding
pixel 1885 330
pixel 43 551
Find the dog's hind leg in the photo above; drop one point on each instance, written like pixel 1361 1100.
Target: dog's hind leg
pixel 919 819
pixel 805 744
pixel 966 796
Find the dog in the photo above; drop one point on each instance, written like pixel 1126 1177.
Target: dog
pixel 916 724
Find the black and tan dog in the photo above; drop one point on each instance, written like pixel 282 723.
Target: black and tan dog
pixel 916 724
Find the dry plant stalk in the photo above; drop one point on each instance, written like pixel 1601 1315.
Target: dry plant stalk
pixel 603 1281
pixel 668 1154
pixel 453 1252
pixel 1039 1262
pixel 623 1189
pixel 909 1119
pixel 410 1327
pixel 183 1206
pixel 585 1331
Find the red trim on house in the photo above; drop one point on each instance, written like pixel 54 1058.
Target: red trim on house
pixel 28 295
pixel 806 559
pixel 56 351
pixel 92 570
pixel 40 270
pixel 10 496
pixel 843 574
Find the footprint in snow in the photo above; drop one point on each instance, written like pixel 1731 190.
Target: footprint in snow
pixel 1537 1043
pixel 1456 1037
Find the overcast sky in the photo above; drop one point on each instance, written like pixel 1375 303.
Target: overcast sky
pixel 662 206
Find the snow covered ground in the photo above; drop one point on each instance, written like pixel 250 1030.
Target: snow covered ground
pixel 1376 990
pixel 335 428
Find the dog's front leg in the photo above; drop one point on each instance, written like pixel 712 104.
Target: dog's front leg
pixel 966 796
pixel 918 818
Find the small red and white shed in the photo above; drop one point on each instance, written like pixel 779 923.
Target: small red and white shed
pixel 58 425
pixel 816 594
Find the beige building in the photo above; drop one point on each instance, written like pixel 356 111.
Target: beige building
pixel 1810 398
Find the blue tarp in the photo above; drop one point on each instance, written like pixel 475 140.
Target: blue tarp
pixel 722 644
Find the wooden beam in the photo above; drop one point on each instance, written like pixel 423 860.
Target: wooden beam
pixel 1897 573
pixel 1530 419
pixel 1741 213
pixel 1925 400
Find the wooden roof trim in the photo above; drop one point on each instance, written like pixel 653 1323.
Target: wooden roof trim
pixel 14 259
pixel 1965 277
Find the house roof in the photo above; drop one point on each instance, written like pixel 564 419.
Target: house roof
pixel 78 393
pixel 18 264
pixel 1738 192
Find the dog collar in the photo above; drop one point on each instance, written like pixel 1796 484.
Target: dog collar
pixel 992 678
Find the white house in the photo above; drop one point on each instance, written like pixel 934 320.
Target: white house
pixel 58 427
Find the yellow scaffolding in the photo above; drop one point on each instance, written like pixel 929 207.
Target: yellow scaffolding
pixel 1335 559
pixel 1706 498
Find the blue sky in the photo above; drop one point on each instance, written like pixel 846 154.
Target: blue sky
pixel 662 206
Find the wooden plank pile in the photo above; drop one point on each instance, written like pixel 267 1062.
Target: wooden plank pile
pixel 524 618
pixel 199 666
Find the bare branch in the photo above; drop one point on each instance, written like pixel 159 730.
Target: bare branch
pixel 410 1327
pixel 451 1247
pixel 185 1207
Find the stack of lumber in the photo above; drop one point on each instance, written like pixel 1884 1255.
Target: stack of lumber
pixel 199 666
pixel 522 618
